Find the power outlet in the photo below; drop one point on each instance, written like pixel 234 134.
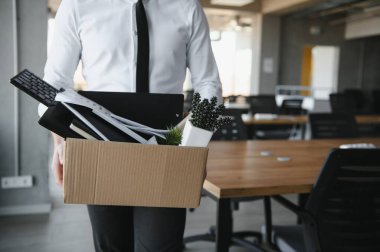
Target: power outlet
pixel 17 182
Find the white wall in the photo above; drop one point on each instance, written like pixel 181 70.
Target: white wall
pixel 363 28
pixel 325 63
pixel 33 139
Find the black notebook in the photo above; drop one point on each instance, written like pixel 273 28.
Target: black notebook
pixel 158 111
pixel 82 126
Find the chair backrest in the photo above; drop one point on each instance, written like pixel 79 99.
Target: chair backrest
pixel 357 96
pixel 232 98
pixel 235 131
pixel 332 126
pixel 376 100
pixel 188 95
pixel 342 104
pixel 263 104
pixel 188 98
pixel 345 203
pixel 291 107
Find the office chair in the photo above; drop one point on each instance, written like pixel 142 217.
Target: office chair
pixel 267 104
pixel 262 104
pixel 292 107
pixel 232 98
pixel 342 104
pixel 357 96
pixel 333 126
pixel 376 100
pixel 188 98
pixel 342 213
pixel 329 126
pixel 234 132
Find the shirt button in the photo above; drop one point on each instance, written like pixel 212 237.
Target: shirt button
pixel 135 33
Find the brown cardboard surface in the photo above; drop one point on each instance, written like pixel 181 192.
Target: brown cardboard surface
pixel 113 173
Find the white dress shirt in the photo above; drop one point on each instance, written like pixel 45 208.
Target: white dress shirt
pixel 102 33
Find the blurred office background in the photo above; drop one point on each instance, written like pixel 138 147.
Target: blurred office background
pixel 289 49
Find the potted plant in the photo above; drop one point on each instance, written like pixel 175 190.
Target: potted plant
pixel 205 119
pixel 173 137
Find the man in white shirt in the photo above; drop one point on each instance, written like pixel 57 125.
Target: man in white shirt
pixel 103 34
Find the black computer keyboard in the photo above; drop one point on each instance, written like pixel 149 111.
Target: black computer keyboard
pixel 36 87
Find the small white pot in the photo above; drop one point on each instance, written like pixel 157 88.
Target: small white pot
pixel 194 136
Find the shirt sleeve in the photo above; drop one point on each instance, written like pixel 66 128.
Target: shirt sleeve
pixel 200 58
pixel 65 49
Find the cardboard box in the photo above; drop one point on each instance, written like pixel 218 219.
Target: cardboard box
pixel 113 173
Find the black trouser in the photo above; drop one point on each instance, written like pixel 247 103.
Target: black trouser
pixel 139 229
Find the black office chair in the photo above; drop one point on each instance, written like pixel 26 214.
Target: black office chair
pixel 262 104
pixel 354 101
pixel 357 96
pixel 342 104
pixel 333 126
pixel 292 107
pixel 233 132
pixel 232 98
pixel 376 101
pixel 343 211
pixel 267 104
pixel 188 98
pixel 324 126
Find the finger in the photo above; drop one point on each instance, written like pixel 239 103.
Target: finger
pixel 59 177
pixel 61 152
pixel 54 162
pixel 55 166
pixel 60 159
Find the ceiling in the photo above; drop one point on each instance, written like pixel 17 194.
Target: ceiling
pixel 340 11
pixel 255 6
pixel 220 17
pixel 226 17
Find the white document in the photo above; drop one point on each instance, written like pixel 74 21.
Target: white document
pixel 81 132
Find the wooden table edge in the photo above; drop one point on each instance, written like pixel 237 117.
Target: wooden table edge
pixel 255 192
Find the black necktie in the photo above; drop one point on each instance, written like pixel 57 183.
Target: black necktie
pixel 142 71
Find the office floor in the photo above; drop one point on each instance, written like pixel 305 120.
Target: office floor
pixel 67 228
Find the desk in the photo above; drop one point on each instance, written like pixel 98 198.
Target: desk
pixel 368 119
pixel 279 120
pixel 236 169
pixel 302 119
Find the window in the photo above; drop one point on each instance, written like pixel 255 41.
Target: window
pixel 233 55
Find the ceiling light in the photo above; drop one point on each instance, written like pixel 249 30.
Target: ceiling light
pixel 238 3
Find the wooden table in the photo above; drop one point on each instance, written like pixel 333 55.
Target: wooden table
pixel 302 119
pixel 279 120
pixel 368 119
pixel 237 169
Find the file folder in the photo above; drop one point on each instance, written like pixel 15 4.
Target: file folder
pixel 158 111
